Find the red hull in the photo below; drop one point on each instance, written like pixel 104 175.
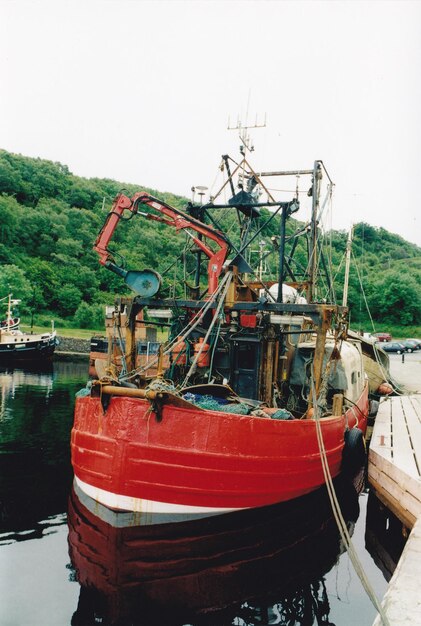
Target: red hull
pixel 194 458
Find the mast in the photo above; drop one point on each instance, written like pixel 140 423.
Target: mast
pixel 9 312
pixel 281 252
pixel 313 260
pixel 347 265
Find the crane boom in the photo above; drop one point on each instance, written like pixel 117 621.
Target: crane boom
pixel 173 217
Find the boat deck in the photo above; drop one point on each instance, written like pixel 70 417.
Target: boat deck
pixel 394 472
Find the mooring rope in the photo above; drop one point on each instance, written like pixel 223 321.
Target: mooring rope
pixel 343 530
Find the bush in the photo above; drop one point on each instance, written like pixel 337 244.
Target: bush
pixel 89 316
pixel 68 300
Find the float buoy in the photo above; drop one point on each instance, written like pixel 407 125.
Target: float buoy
pixel 385 389
pixel 203 348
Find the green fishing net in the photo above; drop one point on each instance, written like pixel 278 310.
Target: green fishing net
pixel 209 403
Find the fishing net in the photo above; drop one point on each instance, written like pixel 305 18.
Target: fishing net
pixel 211 403
pixel 282 414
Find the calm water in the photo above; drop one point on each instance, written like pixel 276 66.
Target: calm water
pixel 283 567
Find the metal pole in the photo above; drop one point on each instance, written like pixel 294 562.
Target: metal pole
pixel 347 265
pixel 317 173
pixel 281 252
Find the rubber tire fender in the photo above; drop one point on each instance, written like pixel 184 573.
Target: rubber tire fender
pixel 373 408
pixel 354 454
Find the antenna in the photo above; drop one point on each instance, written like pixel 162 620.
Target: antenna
pixel 201 189
pixel 244 135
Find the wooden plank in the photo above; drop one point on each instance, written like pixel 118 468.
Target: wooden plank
pixel 412 409
pixel 412 406
pixel 387 467
pixel 406 517
pixel 397 492
pixel 384 451
pixel 402 601
pixel 381 445
pixel 409 501
pixel 381 439
pixel 385 410
pixel 402 452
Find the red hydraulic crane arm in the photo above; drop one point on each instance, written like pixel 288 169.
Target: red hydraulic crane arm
pixel 173 217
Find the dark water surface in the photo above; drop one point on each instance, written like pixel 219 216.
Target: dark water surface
pixel 63 561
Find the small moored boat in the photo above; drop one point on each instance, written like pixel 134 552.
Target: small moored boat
pixel 17 345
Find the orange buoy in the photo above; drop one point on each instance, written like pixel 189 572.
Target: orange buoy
pixel 203 348
pixel 178 353
pixel 385 389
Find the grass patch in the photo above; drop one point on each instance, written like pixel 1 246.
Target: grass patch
pixel 71 333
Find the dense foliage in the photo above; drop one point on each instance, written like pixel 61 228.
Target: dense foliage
pixel 49 219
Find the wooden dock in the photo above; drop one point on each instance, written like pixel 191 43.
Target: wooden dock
pixel 394 461
pixel 394 473
pixel 402 601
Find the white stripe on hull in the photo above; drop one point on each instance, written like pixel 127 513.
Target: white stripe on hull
pixel 149 511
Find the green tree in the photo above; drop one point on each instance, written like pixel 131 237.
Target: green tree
pixel 8 221
pixel 89 315
pixel 68 299
pixel 13 281
pixel 395 297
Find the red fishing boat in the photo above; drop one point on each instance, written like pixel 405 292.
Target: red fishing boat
pixel 262 394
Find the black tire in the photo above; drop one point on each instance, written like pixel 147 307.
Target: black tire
pixel 373 408
pixel 409 350
pixel 354 456
pixel 398 351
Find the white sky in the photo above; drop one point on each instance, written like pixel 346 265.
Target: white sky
pixel 141 92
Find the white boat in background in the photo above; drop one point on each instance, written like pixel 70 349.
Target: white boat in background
pixel 18 345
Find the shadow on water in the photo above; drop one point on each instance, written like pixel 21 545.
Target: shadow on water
pixel 385 536
pixel 262 566
pixel 36 413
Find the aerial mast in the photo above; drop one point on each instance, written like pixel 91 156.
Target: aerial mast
pixel 313 259
pixel 347 266
pixel 246 143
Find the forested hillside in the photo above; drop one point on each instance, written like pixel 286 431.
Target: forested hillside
pixel 49 219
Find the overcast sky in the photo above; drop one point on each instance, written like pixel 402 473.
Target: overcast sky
pixel 141 92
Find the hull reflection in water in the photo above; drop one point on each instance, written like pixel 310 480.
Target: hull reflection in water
pixel 259 565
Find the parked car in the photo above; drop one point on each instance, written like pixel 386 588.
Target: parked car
pixel 411 345
pixel 417 343
pixel 392 346
pixel 382 336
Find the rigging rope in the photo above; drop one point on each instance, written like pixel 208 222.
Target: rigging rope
pixel 362 289
pixel 386 375
pixel 193 323
pixel 211 325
